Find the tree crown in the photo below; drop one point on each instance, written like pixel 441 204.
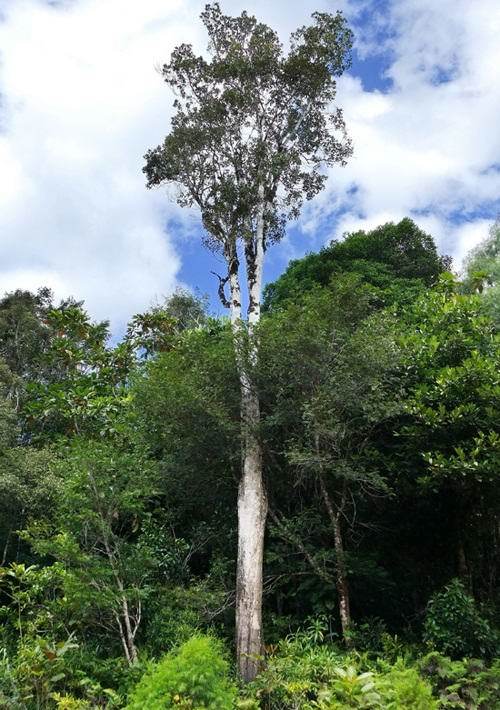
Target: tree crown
pixel 253 125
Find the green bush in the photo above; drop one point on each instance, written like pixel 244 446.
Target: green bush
pixel 368 634
pixel 349 689
pixel 195 676
pixel 68 702
pixel 454 626
pixel 463 684
pixel 10 693
pixel 305 675
pixel 295 673
pixel 404 688
pixel 176 614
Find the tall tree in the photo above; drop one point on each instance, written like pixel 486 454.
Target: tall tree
pixel 252 131
pixel 330 387
pixel 400 259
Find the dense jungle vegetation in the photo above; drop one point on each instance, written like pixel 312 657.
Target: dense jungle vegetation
pixel 378 374
pixel 293 507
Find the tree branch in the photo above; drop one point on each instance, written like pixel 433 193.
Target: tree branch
pixel 220 290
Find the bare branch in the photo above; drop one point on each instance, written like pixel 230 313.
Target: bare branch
pixel 220 290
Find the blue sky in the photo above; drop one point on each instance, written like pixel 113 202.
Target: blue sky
pixel 81 102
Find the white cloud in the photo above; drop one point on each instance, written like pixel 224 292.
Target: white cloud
pixel 81 102
pixel 426 146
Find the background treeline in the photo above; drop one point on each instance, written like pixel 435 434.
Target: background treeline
pixel 378 375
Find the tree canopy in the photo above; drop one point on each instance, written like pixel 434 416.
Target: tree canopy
pixel 397 258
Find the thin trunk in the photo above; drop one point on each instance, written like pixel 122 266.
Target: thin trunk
pixel 6 549
pixel 463 569
pixel 127 634
pixel 334 514
pixel 252 500
pixel 342 583
pixel 123 639
pixel 128 628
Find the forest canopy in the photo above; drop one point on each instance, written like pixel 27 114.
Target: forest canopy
pixel 119 476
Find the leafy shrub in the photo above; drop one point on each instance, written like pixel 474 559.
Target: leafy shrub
pixel 176 615
pixel 454 626
pixel 404 688
pixel 306 675
pixel 45 674
pixel 41 668
pixel 10 693
pixel 368 634
pixel 68 702
pixel 295 673
pixel 463 684
pixel 349 689
pixel 194 676
pixel 103 678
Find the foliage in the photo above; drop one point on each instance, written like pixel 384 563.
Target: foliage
pixel 454 626
pixel 10 691
pixel 468 684
pixel 133 518
pixel 253 118
pixel 398 260
pixel 482 271
pixel 295 672
pixel 156 330
pixel 29 486
pixel 85 390
pixel 404 688
pixel 24 335
pixel 94 526
pixel 194 676
pixel 302 673
pixel 447 444
pixel 330 374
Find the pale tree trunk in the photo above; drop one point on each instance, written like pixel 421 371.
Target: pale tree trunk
pixel 252 500
pixel 252 510
pixel 126 626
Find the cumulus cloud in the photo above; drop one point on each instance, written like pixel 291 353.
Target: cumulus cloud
pixel 428 146
pixel 80 102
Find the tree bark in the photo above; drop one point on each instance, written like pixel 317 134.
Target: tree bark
pixel 340 566
pixel 252 499
pixel 252 511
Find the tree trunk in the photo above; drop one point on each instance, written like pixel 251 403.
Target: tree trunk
pixel 340 566
pixel 125 629
pixel 252 499
pixel 252 510
pixel 342 583
pixel 128 631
